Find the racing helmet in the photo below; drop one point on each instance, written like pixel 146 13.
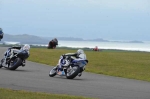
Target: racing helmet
pixel 80 51
pixel 26 47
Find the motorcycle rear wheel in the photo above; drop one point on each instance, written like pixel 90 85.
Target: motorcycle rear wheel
pixel 72 73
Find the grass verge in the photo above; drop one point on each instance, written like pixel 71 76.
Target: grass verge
pixel 15 94
pixel 127 64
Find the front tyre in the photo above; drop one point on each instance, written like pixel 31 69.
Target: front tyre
pixel 53 72
pixel 72 72
pixel 15 64
pixel 1 63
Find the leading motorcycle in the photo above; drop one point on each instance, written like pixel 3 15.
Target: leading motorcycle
pixel 16 61
pixel 75 67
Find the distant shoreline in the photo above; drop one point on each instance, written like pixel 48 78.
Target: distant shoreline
pixel 75 48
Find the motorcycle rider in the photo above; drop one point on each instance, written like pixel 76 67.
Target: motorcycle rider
pixel 10 52
pixel 63 61
pixel 53 43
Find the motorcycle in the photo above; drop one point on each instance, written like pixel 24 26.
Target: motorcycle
pixel 17 60
pixel 75 67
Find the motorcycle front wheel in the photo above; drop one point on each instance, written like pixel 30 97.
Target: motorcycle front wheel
pixel 15 64
pixel 1 63
pixel 53 72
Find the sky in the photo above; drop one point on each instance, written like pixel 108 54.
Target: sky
pixel 88 19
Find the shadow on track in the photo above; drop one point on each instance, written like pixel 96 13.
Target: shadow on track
pixel 17 70
pixel 75 79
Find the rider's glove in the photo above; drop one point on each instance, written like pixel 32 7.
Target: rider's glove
pixel 63 56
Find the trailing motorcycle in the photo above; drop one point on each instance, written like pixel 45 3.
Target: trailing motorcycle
pixel 75 67
pixel 17 60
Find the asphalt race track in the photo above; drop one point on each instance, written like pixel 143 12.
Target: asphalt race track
pixel 34 77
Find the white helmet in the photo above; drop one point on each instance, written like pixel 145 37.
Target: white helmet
pixel 26 47
pixel 80 51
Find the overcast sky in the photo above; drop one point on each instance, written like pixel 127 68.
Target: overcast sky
pixel 107 19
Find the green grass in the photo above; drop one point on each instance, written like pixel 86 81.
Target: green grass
pixel 127 64
pixel 15 94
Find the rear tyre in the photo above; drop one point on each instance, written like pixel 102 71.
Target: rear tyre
pixel 73 72
pixel 15 64
pixel 53 72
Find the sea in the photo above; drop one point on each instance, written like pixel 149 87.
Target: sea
pixel 145 46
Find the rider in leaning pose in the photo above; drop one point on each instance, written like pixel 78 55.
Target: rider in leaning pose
pixel 63 61
pixel 10 52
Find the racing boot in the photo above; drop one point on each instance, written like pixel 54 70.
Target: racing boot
pixel 81 70
pixel 23 63
pixel 79 74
